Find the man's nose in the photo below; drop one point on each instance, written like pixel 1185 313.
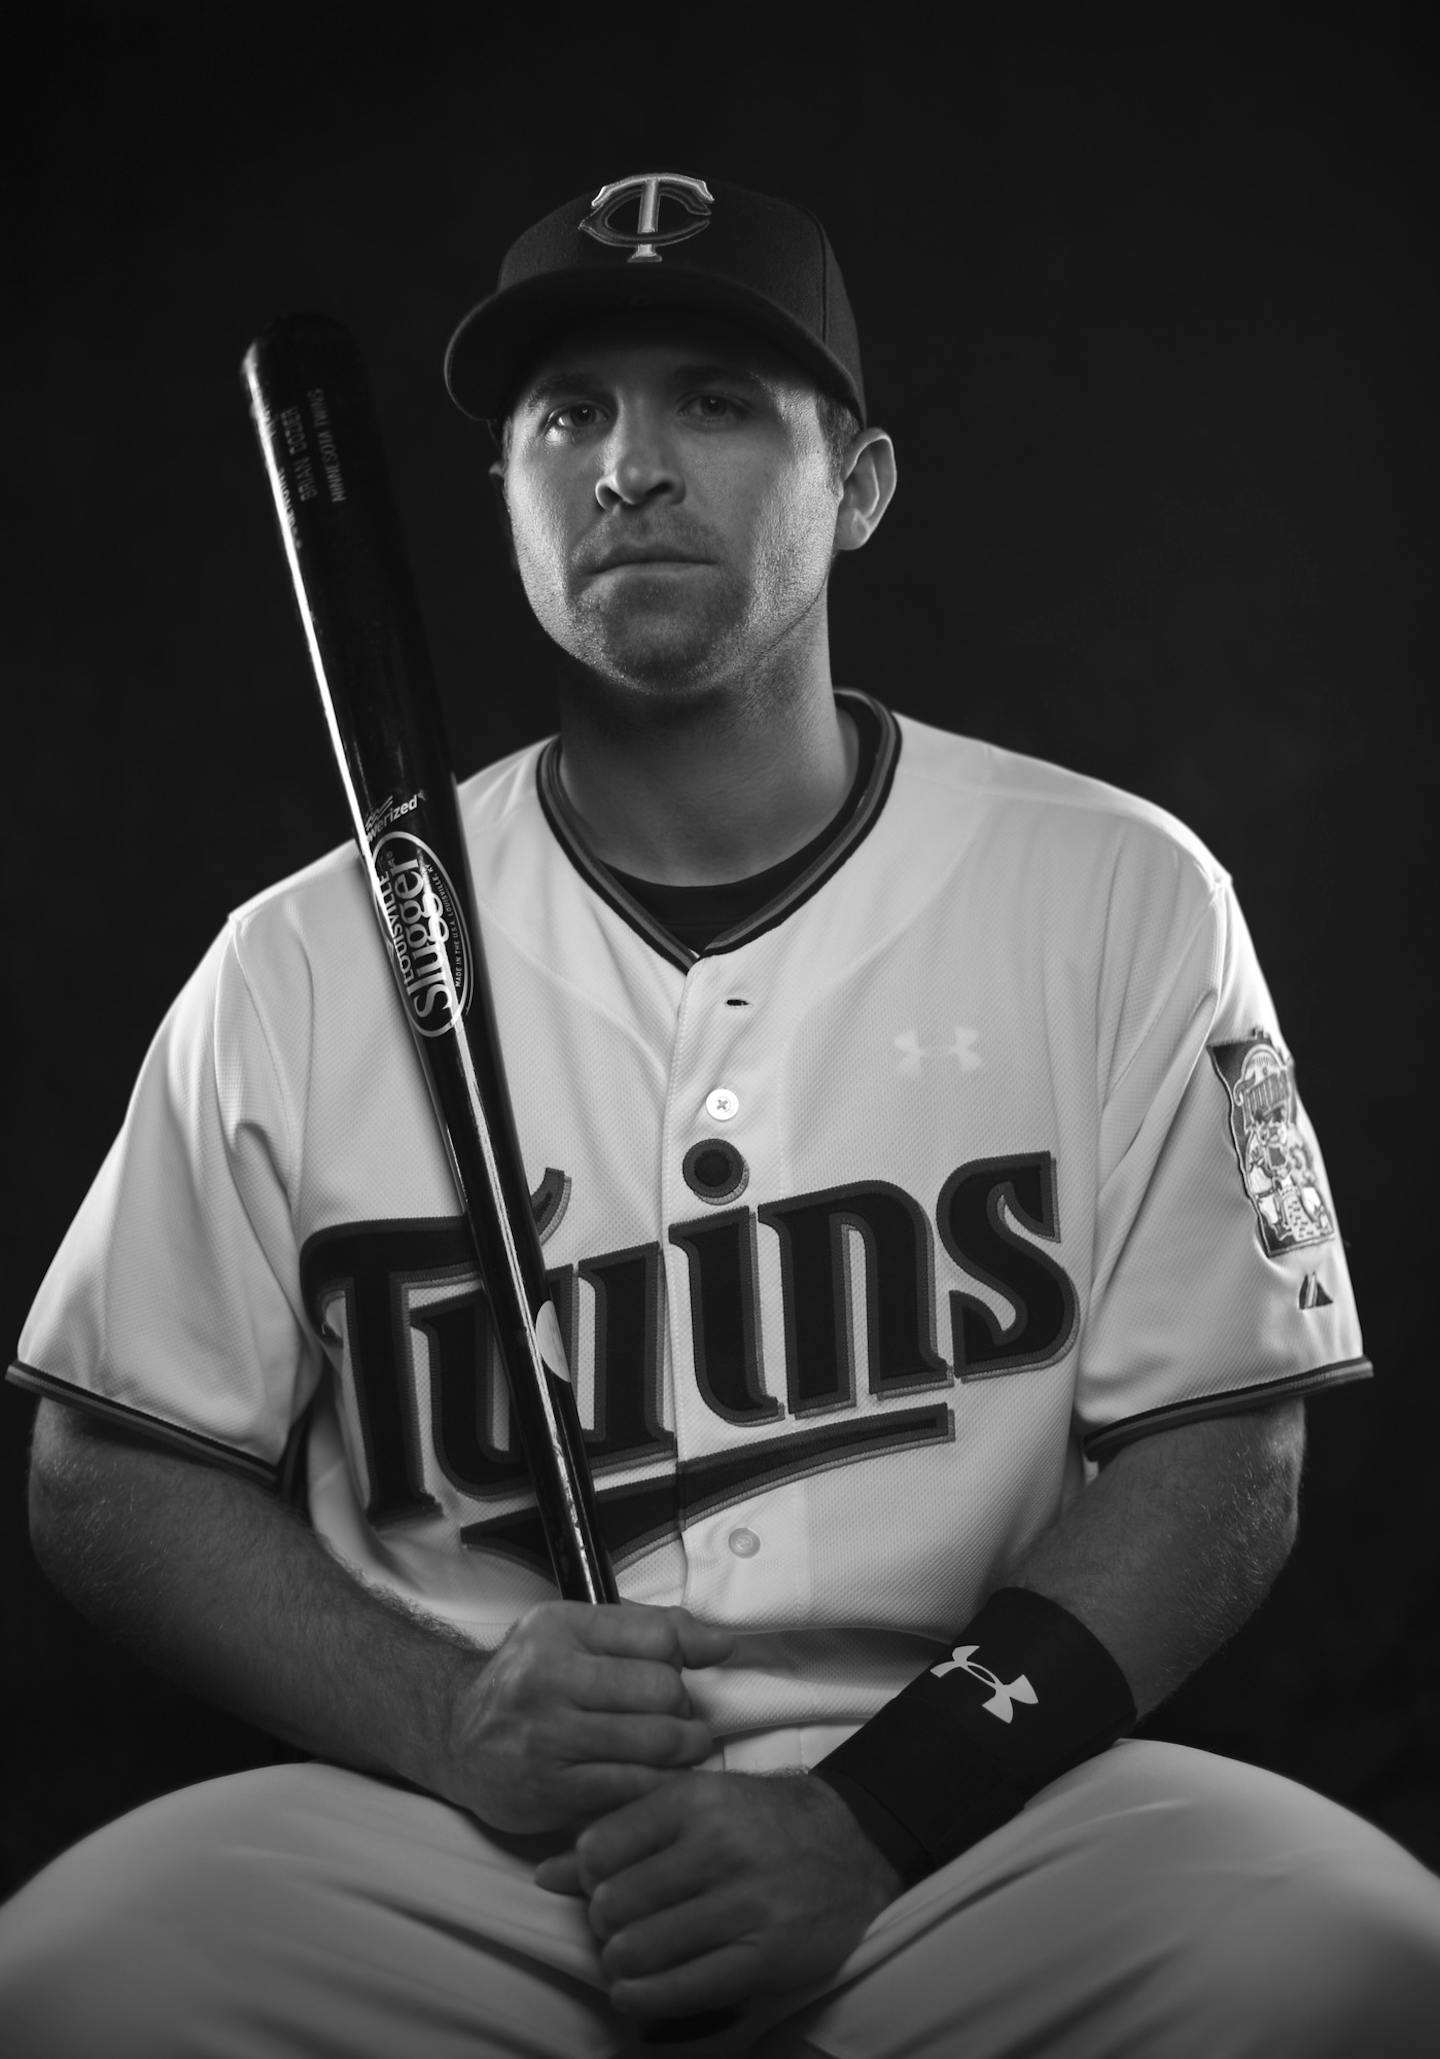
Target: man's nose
pixel 639 462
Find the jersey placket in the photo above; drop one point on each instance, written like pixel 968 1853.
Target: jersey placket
pixel 719 1114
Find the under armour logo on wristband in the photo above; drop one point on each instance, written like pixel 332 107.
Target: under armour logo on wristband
pixel 1006 1693
pixel 925 1780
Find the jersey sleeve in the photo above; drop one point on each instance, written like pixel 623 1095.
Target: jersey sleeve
pixel 1220 1277
pixel 173 1304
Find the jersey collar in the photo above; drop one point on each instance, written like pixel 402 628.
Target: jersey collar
pixel 853 827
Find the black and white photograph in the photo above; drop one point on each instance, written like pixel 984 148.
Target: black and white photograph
pixel 723 849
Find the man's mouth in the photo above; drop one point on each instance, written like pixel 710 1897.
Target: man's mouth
pixel 646 564
pixel 643 554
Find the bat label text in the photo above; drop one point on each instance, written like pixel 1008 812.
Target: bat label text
pixel 426 928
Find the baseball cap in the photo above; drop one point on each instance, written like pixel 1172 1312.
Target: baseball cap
pixel 661 240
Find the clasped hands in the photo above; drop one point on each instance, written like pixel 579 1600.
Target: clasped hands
pixel 704 1890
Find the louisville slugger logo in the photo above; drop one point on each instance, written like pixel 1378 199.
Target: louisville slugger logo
pixel 647 192
pixel 426 930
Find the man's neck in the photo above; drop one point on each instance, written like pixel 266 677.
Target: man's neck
pixel 710 794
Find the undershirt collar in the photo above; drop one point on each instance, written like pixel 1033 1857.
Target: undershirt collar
pixel 695 916
pixel 765 904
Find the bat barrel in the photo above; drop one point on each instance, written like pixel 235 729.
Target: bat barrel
pixel 349 565
pixel 358 605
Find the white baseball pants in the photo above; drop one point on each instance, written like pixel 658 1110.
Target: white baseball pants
pixel 1156 1902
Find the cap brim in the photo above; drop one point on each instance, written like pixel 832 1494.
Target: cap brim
pixel 498 341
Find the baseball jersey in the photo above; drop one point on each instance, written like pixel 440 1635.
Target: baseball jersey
pixel 973 1154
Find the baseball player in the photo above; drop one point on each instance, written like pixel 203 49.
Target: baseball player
pixel 945 1257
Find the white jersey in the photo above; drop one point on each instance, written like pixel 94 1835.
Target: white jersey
pixel 972 1156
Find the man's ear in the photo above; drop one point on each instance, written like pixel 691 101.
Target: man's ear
pixel 502 510
pixel 868 490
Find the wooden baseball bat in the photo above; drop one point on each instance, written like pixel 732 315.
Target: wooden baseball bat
pixel 356 594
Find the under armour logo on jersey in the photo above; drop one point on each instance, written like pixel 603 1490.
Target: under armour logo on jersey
pixel 961 1048
pixel 912 1054
pixel 1006 1693
pixel 649 190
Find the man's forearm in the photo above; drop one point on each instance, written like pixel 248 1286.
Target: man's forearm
pixel 1176 1543
pixel 225 1589
pixel 1151 1568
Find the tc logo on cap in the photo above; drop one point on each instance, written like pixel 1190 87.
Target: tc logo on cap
pixel 649 189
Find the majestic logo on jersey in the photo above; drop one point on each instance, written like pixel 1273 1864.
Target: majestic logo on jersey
pixel 427 931
pixel 1275 1158
pixel 669 208
pixel 860 1374
pixel 1005 1693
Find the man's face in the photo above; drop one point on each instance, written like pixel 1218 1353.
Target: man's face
pixel 672 501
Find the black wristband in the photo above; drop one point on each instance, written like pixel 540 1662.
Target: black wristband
pixel 1026 1693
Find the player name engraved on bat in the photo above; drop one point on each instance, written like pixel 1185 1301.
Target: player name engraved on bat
pixel 325 438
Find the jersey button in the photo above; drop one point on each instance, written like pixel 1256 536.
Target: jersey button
pixel 744 1543
pixel 722 1105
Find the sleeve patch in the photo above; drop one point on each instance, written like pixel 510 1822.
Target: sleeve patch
pixel 1276 1163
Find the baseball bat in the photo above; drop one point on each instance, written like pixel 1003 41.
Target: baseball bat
pixel 351 574
pixel 340 527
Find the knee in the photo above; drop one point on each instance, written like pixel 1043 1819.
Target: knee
pixel 71 1988
pixel 118 1949
pixel 1331 1962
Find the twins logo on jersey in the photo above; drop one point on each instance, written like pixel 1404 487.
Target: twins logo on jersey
pixel 1275 1158
pixel 404 1292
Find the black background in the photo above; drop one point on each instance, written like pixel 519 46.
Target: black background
pixel 1153 325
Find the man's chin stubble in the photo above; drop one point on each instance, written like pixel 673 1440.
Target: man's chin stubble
pixel 658 656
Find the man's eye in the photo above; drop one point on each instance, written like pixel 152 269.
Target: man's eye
pixel 577 414
pixel 714 407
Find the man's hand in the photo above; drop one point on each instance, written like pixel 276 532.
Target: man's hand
pixel 581 1710
pixel 722 1887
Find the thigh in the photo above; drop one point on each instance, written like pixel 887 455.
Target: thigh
pixel 1156 1903
pixel 297 1910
